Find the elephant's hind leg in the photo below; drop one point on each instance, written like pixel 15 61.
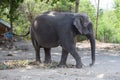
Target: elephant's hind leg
pixel 37 51
pixel 47 55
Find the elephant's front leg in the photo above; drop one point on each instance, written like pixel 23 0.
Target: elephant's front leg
pixel 74 53
pixel 63 59
pixel 69 45
pixel 47 55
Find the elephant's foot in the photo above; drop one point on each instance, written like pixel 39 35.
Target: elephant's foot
pixel 37 62
pixel 91 64
pixel 47 61
pixel 79 65
pixel 62 66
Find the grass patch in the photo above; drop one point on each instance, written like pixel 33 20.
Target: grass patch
pixel 12 64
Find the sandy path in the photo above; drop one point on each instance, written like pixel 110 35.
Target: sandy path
pixel 107 67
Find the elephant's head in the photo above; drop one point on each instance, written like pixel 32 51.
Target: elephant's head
pixel 84 25
pixel 82 22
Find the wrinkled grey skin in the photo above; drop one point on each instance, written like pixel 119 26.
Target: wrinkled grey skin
pixel 52 29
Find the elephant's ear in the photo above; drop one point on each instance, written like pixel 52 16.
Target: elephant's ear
pixel 77 24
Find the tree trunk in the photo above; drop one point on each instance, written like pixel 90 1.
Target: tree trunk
pixel 76 10
pixel 10 13
pixel 97 18
pixel 11 20
pixel 77 6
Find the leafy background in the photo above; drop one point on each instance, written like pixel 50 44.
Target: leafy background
pixel 25 11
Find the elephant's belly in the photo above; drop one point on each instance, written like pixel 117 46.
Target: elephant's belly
pixel 47 38
pixel 48 43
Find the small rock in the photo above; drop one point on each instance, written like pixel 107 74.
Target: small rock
pixel 10 54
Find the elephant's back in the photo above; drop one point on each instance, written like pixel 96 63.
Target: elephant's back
pixel 50 21
pixel 53 16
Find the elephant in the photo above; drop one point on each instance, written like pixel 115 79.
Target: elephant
pixel 52 29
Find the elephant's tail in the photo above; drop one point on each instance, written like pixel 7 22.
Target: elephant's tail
pixel 23 34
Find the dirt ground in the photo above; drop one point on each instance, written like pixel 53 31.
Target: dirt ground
pixel 107 66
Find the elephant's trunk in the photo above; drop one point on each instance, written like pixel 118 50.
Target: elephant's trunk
pixel 92 42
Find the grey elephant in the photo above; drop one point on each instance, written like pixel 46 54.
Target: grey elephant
pixel 52 29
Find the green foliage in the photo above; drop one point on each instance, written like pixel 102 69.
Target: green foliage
pixel 117 13
pixel 24 11
pixel 109 26
pixel 63 5
pixel 117 20
pixel 105 28
pixel 5 8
